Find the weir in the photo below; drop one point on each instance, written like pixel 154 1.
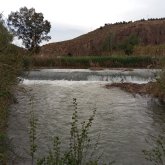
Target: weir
pixel 135 75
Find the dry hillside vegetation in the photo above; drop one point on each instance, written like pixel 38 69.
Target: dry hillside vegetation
pixel 151 35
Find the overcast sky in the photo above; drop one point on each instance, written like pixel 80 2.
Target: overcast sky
pixel 71 18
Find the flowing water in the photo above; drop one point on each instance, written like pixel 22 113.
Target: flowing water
pixel 122 123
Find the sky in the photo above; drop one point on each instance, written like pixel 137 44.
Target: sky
pixel 72 18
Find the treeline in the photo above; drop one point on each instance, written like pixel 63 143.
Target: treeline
pixel 126 45
pixel 125 22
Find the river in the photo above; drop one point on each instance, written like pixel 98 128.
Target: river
pixel 122 123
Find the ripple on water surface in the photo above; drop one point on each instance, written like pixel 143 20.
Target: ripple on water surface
pixel 122 121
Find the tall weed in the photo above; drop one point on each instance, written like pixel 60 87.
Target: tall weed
pixel 79 145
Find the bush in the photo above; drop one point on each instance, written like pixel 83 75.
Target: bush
pixel 10 67
pixel 5 36
pixel 128 44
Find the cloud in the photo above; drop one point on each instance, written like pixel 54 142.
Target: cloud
pixel 60 32
pixel 71 18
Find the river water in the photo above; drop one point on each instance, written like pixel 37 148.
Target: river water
pixel 121 126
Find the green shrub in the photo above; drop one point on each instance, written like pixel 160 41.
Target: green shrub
pixel 128 44
pixel 5 36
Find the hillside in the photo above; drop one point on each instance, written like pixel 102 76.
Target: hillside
pixel 149 32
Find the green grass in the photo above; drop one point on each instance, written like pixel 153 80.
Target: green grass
pixel 94 61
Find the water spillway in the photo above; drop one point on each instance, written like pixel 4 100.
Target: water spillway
pixel 88 75
pixel 123 121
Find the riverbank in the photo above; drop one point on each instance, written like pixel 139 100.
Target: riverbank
pixel 10 68
pixel 152 89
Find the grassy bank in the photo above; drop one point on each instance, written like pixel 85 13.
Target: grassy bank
pixel 94 61
pixel 10 68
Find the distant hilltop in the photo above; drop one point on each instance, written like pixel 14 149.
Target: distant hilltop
pixel 108 38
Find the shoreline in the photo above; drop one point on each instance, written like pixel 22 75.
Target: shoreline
pixel 150 88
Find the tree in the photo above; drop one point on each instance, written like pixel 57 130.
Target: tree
pixel 29 26
pixel 109 43
pixel 128 44
pixel 5 36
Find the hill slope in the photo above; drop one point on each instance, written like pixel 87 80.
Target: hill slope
pixel 150 32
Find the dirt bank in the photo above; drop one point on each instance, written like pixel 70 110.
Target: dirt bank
pixel 150 88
